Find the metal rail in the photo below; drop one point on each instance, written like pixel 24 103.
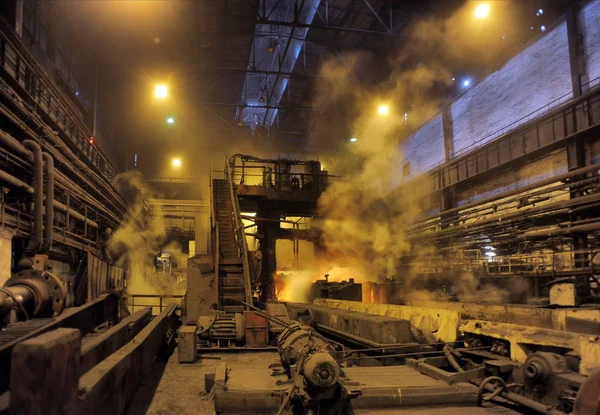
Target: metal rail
pixel 159 302
pixel 24 71
pixel 240 235
pixel 552 130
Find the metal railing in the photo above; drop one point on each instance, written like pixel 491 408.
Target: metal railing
pixel 589 86
pixel 502 265
pixel 25 71
pixel 157 301
pixel 240 234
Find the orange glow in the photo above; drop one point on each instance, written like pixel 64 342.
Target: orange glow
pixel 294 286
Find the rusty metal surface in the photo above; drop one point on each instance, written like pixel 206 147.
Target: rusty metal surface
pixel 84 318
pixel 442 321
pixel 257 329
pixel 102 277
pixel 523 338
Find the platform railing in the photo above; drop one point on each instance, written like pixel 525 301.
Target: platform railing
pixel 156 301
pixel 240 235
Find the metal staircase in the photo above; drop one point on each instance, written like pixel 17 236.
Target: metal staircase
pixel 230 248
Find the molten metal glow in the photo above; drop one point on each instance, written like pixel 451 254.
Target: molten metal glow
pixel 482 11
pixel 294 286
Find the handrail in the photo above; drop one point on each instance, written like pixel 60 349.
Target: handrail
pixel 217 256
pixel 535 114
pixel 240 235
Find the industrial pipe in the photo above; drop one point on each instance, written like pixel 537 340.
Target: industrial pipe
pixel 60 206
pixel 38 200
pixel 49 230
pixel 556 231
pixel 523 189
pixel 14 145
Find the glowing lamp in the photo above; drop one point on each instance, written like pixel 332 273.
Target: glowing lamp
pixel 482 11
pixel 161 91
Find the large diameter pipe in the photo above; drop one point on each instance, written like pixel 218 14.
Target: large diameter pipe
pixel 16 146
pixel 49 230
pixel 60 206
pixel 523 189
pixel 557 230
pixel 38 195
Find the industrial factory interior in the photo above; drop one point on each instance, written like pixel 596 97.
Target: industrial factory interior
pixel 286 207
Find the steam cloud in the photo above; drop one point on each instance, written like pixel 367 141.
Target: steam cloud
pixel 132 245
pixel 365 219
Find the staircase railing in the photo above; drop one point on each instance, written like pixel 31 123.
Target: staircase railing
pixel 214 243
pixel 240 235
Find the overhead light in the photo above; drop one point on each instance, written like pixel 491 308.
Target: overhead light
pixel 543 28
pixel 466 83
pixel 170 120
pixel 161 91
pixel 540 11
pixel 383 109
pixel 482 11
pixel 353 140
pixel 92 140
pixel 176 162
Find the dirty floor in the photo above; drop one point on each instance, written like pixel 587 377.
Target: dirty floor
pixel 173 388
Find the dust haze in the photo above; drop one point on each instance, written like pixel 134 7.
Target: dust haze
pixel 365 218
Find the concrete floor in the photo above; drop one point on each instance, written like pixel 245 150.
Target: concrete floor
pixel 173 388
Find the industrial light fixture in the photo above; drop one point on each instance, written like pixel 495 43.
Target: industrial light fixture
pixel 273 45
pixel 170 120
pixel 92 141
pixel 466 83
pixel 261 99
pixel 383 109
pixel 161 91
pixel 353 140
pixel 543 28
pixel 482 11
pixel 176 162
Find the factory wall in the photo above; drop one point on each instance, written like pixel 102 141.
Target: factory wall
pixel 590 26
pixel 424 150
pixel 534 79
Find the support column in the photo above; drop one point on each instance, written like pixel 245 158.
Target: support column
pixel 448 196
pixel 270 231
pixel 576 149
pixel 576 50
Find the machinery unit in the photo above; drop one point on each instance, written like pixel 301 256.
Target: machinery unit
pixel 33 294
pixel 313 366
pixel 344 290
pixel 220 329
